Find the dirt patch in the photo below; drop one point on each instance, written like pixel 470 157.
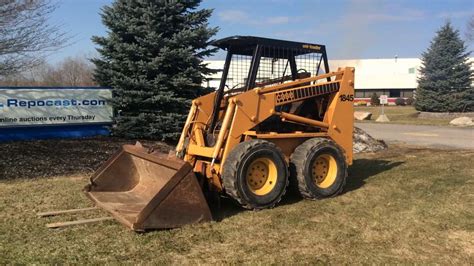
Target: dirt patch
pixel 46 158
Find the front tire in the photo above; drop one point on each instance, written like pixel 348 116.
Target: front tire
pixel 319 167
pixel 255 174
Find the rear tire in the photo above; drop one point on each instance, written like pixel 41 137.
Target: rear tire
pixel 255 174
pixel 319 168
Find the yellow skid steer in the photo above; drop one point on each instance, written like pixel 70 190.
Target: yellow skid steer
pixel 277 115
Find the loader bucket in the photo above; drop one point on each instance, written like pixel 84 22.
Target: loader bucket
pixel 148 190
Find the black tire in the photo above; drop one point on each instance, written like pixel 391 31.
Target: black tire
pixel 236 174
pixel 304 167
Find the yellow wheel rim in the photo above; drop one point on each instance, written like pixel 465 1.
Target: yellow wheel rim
pixel 324 171
pixel 261 176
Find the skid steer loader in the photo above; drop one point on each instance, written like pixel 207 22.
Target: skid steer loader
pixel 279 116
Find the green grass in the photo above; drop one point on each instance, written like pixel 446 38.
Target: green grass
pixel 404 205
pixel 401 115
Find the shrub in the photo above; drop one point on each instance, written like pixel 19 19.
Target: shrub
pixel 374 99
pixel 362 103
pixel 410 101
pixel 400 101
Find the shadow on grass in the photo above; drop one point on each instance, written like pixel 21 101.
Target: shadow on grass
pixel 361 170
pixel 224 209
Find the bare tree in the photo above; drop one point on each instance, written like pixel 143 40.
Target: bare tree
pixel 26 36
pixel 46 75
pixel 72 71
pixel 76 71
pixel 39 75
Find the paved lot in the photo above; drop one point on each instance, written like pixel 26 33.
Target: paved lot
pixel 433 136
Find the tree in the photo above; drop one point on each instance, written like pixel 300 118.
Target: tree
pixel 374 99
pixel 72 71
pixel 25 34
pixel 75 71
pixel 152 57
pixel 445 82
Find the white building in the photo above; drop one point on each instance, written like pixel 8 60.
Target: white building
pixel 395 77
pixel 392 77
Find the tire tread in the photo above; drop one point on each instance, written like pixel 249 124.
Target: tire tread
pixel 298 160
pixel 229 176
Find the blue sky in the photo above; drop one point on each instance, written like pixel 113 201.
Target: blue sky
pixel 349 29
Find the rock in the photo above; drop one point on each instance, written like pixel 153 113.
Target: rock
pixel 363 142
pixel 362 115
pixel 462 121
pixel 382 119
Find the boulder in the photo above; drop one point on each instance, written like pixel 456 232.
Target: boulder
pixel 462 121
pixel 363 142
pixel 359 115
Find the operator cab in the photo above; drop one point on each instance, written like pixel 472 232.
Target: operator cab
pixel 258 62
pixel 254 61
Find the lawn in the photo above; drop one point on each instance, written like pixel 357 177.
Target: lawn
pixel 403 205
pixel 401 115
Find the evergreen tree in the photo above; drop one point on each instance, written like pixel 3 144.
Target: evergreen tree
pixel 152 58
pixel 445 83
pixel 374 99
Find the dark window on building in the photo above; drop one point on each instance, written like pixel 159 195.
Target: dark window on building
pixel 407 93
pixel 359 94
pixel 394 93
pixel 369 93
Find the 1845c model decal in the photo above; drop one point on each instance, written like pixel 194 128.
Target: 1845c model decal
pixel 347 97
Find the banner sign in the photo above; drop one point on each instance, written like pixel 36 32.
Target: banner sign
pixel 52 106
